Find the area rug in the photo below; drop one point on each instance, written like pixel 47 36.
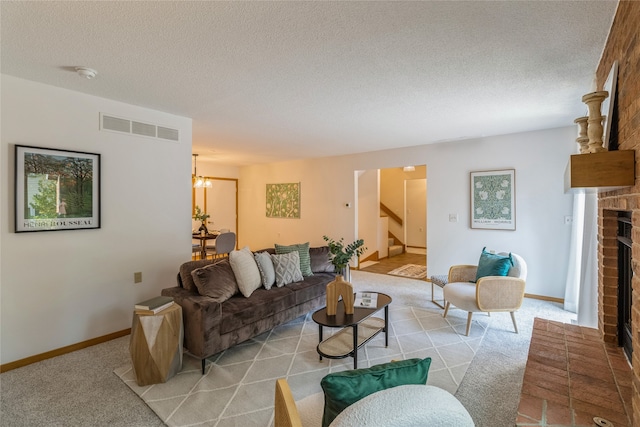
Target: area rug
pixel 238 386
pixel 412 271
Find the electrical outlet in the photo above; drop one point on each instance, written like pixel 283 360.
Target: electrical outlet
pixel 568 220
pixel 137 277
pixel 453 217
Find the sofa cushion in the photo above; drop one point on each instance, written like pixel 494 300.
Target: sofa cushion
pixel 320 260
pixel 216 280
pixel 185 273
pixel 311 287
pixel 342 389
pixel 246 270
pixel 239 311
pixel 287 268
pixel 303 251
pixel 265 266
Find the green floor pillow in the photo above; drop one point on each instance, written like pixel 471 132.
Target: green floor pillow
pixel 342 389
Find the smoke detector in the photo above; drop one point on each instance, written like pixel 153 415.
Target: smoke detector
pixel 87 73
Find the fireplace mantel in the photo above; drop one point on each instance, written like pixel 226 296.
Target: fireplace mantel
pixel 604 171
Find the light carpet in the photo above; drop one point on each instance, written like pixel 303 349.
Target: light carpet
pixel 498 367
pixel 238 386
pixel 412 271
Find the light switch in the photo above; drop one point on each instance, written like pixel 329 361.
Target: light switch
pixel 453 217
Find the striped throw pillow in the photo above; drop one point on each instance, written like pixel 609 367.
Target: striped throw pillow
pixel 303 251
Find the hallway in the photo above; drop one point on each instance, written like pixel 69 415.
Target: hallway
pixel 385 265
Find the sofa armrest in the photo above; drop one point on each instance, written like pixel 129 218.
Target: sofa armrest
pixel 201 317
pixel 462 273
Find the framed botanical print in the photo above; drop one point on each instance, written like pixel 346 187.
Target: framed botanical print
pixel 283 200
pixel 493 199
pixel 56 189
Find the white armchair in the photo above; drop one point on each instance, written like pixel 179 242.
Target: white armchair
pixel 490 293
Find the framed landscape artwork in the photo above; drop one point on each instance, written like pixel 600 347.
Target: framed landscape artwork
pixel 56 189
pixel 493 200
pixel 283 200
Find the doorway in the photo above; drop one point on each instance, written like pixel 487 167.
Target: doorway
pixel 415 215
pixel 220 201
pixel 392 205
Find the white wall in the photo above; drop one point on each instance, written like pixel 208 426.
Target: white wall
pixel 539 159
pixel 64 287
pixel 368 211
pixel 216 170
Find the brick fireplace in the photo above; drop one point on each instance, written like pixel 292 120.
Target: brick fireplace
pixel 622 45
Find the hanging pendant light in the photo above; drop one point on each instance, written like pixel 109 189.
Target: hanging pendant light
pixel 199 181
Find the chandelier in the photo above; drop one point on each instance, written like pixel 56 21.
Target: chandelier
pixel 199 181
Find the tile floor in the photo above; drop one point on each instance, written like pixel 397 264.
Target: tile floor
pixel 571 377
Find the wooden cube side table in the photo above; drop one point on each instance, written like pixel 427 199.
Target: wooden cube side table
pixel 156 345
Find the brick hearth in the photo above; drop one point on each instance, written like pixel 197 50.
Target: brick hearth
pixel 572 376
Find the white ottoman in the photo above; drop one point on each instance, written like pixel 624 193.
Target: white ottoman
pixel 406 406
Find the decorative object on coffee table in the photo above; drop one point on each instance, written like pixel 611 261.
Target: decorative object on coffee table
pixel 156 345
pixel 340 256
pixel 336 289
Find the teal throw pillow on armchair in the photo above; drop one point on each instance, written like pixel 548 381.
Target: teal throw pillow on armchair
pixel 342 389
pixel 493 264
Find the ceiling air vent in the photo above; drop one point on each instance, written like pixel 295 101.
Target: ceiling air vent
pixel 132 127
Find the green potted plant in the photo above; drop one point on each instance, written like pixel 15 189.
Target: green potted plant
pixel 202 217
pixel 341 254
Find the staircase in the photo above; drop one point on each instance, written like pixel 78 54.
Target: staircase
pixel 395 249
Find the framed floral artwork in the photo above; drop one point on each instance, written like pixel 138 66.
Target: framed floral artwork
pixel 283 200
pixel 493 200
pixel 56 189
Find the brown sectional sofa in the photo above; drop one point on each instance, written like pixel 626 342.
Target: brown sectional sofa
pixel 211 326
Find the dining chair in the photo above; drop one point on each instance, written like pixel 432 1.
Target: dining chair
pixel 224 243
pixel 196 250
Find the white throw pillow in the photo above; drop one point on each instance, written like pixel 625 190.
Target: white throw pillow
pixel 246 270
pixel 265 266
pixel 287 268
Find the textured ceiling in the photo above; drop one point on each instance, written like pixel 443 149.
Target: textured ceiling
pixel 285 80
